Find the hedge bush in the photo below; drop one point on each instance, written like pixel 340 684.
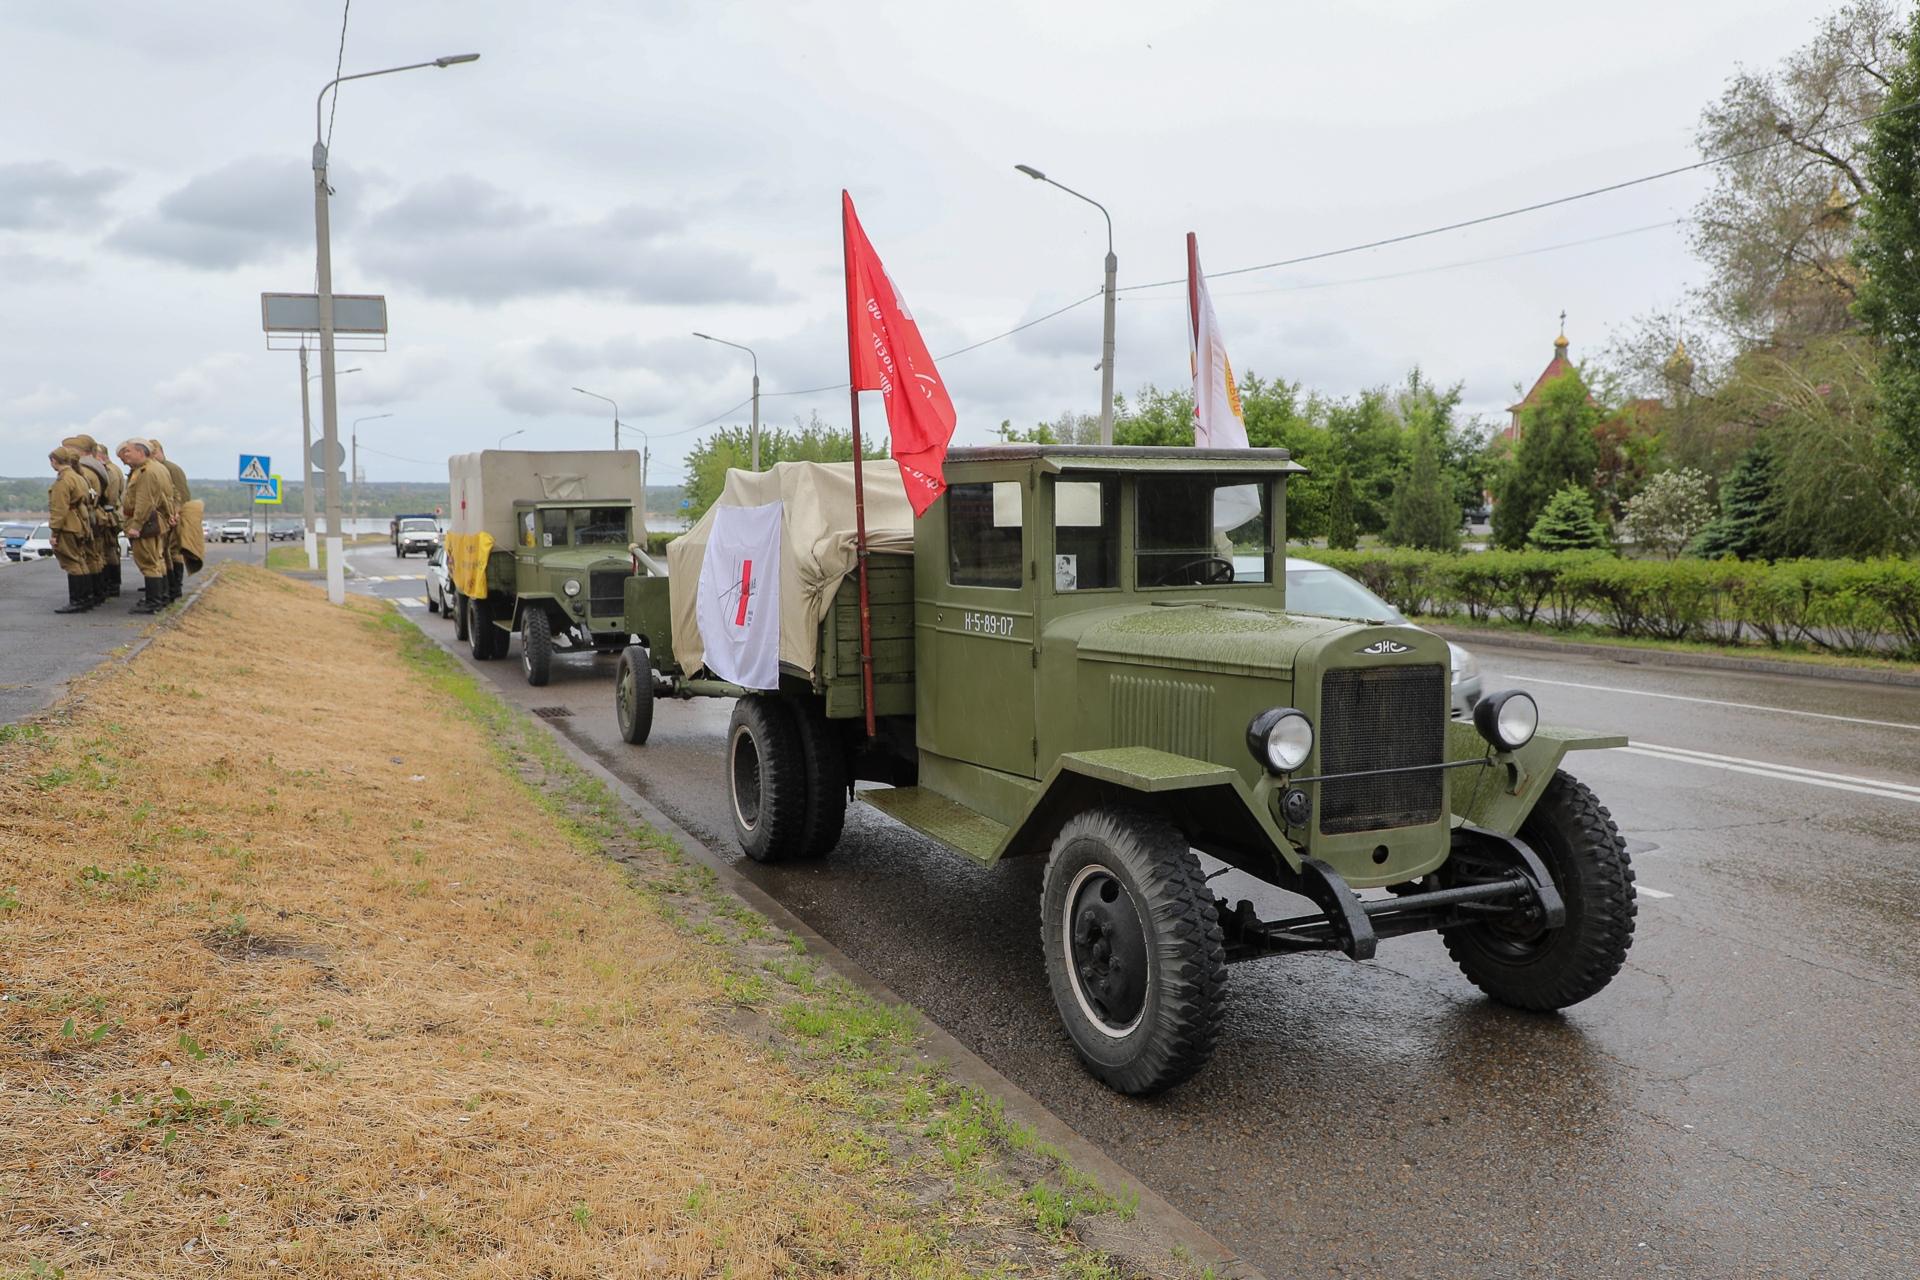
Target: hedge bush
pixel 1843 606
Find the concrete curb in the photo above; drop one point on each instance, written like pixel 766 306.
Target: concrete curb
pixel 969 1067
pixel 1674 657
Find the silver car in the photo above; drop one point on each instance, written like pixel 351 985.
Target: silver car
pixel 439 583
pixel 1316 589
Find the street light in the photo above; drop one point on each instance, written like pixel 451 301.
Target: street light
pixel 1107 291
pixel 323 253
pixel 355 465
pixel 510 435
pixel 306 458
pixel 616 411
pixel 756 389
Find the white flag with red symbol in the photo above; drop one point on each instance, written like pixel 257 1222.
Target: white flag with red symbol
pixel 737 607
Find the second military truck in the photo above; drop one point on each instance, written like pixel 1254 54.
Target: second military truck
pixel 1084 655
pixel 540 544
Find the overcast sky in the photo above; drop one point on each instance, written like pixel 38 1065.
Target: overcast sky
pixel 609 177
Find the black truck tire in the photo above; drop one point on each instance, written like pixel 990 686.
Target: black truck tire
pixel 826 762
pixel 536 646
pixel 484 640
pixel 1574 836
pixel 459 611
pixel 766 778
pixel 1133 949
pixel 633 696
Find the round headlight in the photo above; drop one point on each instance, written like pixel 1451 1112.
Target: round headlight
pixel 572 586
pixel 1507 719
pixel 1280 739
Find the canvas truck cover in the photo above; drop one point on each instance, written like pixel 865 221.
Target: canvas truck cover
pixel 816 547
pixel 482 488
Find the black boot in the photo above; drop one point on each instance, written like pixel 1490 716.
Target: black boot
pixel 176 582
pixel 77 598
pixel 93 591
pixel 155 598
pixel 110 578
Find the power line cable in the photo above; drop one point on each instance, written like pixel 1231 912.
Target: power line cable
pixel 1710 161
pixel 339 61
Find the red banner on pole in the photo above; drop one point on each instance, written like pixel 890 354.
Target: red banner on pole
pixel 886 353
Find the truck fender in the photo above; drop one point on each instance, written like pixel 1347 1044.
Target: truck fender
pixel 1499 796
pixel 1209 803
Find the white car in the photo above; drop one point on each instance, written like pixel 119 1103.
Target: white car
pixel 39 543
pixel 238 529
pixel 439 583
pixel 1328 593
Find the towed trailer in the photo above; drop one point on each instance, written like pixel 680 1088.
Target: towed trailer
pixel 1083 654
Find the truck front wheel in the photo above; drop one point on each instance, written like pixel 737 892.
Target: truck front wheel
pixel 766 779
pixel 633 696
pixel 1133 949
pixel 1575 838
pixel 536 646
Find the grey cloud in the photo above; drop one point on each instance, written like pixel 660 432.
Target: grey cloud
pixel 33 268
pixel 463 238
pixel 40 195
pixel 240 213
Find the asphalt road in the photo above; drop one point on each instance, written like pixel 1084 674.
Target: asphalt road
pixel 1740 1102
pixel 40 650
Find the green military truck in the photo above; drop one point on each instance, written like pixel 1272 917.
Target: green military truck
pixel 1084 654
pixel 542 543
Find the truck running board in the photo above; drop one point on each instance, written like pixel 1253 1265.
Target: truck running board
pixel 935 816
pixel 1519 890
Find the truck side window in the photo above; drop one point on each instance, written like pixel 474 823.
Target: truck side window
pixel 553 528
pixel 1086 534
pixel 983 534
pixel 1202 531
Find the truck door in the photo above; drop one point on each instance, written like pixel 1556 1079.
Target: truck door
pixel 975 681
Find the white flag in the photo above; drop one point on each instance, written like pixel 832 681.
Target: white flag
pixel 737 607
pixel 1217 421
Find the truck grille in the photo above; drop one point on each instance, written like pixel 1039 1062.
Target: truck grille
pixel 607 593
pixel 1382 718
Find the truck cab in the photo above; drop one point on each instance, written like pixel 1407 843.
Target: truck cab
pixel 1094 664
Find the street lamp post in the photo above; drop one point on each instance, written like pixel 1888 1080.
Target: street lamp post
pixel 306 458
pixel 616 411
pixel 510 435
pixel 355 464
pixel 1107 294
pixel 329 402
pixel 756 389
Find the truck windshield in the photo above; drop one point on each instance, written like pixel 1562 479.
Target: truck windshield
pixel 416 526
pixel 1202 531
pixel 600 526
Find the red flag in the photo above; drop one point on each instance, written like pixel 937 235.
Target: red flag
pixel 885 353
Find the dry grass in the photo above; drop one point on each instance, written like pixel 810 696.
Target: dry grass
pixel 309 969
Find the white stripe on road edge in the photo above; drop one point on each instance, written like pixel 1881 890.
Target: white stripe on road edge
pixel 410 602
pixel 1712 702
pixel 1645 892
pixel 1780 773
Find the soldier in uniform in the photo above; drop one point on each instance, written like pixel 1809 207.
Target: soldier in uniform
pixel 147 509
pixel 176 557
pixel 106 485
pixel 70 514
pixel 116 488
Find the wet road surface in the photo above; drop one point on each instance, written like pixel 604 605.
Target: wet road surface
pixel 1740 1102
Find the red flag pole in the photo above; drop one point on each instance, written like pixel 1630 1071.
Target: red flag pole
pixel 1193 294
pixel 859 484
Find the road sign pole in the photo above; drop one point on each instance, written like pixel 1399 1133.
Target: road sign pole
pixel 329 402
pixel 306 467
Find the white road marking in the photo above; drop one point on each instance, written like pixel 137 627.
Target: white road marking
pixel 1645 892
pixel 1712 702
pixel 1780 773
pixel 409 602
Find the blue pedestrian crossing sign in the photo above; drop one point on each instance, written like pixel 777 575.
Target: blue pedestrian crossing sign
pixel 256 468
pixel 268 492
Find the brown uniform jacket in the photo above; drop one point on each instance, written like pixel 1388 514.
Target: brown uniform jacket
pixel 181 494
pixel 149 498
pixel 69 504
pixel 94 472
pixel 116 483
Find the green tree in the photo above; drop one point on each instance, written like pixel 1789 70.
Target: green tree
pixel 1425 513
pixel 1568 523
pixel 1556 449
pixel 1341 535
pixel 731 448
pixel 1751 524
pixel 1889 247
pixel 1669 512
